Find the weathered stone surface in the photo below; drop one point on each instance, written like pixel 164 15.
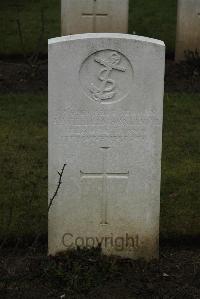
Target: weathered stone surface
pixel 105 122
pixel 188 27
pixel 83 16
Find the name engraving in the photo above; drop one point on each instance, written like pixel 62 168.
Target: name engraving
pixel 101 124
pixel 101 118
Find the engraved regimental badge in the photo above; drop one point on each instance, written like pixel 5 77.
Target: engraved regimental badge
pixel 106 76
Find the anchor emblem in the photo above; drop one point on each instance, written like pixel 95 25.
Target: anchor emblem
pixel 106 90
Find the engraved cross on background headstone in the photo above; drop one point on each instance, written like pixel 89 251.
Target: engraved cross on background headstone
pixel 104 175
pixel 94 15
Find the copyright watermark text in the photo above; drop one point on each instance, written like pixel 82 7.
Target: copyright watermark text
pixel 119 243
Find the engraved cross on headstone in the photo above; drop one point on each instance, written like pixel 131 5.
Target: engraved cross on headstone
pixel 104 175
pixel 94 15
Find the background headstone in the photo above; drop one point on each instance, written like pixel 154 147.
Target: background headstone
pixel 105 122
pixel 188 27
pixel 82 16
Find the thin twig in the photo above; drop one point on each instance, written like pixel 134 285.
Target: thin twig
pixel 58 187
pixel 22 42
pixel 35 57
pixel 33 60
pixel 35 241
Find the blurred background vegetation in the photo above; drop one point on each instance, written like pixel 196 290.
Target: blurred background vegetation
pixel 153 18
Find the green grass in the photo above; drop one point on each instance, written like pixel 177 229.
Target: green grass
pixel 180 194
pixel 154 18
pixel 23 164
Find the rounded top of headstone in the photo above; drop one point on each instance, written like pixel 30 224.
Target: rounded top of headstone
pixel 123 36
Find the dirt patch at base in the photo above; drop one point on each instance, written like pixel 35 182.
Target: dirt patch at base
pixel 181 77
pixel 88 274
pixel 17 76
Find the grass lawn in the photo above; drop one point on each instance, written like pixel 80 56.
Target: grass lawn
pixel 23 164
pixel 180 193
pixel 154 18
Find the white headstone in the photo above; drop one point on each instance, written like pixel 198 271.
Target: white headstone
pixel 188 27
pixel 105 122
pixel 82 16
